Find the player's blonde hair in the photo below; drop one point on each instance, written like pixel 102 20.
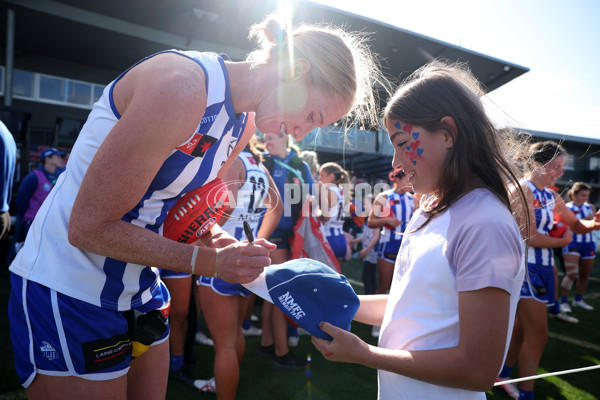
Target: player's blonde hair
pixel 341 62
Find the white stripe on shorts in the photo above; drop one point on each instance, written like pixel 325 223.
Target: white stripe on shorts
pixel 31 357
pixel 61 333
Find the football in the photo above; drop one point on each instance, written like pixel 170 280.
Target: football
pixel 196 212
pixel 558 230
pixel 386 212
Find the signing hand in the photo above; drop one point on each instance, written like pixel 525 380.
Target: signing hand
pixel 242 262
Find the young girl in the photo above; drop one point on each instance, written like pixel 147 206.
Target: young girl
pixel 446 323
pixel 169 124
pixel 331 176
pixel 579 255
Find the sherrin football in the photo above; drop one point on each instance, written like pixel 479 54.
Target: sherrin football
pixel 558 229
pixel 196 212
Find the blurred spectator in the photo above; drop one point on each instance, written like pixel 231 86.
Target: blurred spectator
pixel 33 190
pixel 8 149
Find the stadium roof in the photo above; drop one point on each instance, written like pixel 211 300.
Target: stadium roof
pixel 110 35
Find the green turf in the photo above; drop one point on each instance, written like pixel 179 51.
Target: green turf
pixel 569 346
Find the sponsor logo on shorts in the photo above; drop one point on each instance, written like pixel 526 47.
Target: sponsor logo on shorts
pixel 48 351
pixel 102 354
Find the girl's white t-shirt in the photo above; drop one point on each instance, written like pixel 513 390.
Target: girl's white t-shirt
pixel 475 244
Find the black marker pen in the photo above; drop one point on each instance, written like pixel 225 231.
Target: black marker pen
pixel 248 232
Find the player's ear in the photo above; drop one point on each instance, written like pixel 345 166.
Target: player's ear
pixel 298 69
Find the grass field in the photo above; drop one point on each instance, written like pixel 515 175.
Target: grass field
pixel 569 346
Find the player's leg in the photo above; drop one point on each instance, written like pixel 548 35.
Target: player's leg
pixel 148 376
pixel 180 288
pixel 533 320
pixel 222 317
pixel 585 268
pixel 571 269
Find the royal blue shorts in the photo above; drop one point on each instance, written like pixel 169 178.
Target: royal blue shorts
pixel 54 334
pixel 338 244
pixel 586 251
pixel 224 288
pixel 281 238
pixel 388 250
pixel 539 284
pixel 168 274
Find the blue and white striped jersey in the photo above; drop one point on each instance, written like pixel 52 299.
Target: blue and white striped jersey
pixel 581 212
pixel 49 259
pixel 543 208
pixel 403 207
pixel 335 224
pixel 250 196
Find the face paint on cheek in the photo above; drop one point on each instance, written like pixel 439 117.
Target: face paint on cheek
pixel 413 151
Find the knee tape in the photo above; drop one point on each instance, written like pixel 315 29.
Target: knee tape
pixel 569 279
pixel 571 268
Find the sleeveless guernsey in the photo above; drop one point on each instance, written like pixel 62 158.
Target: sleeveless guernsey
pixel 581 212
pixel 249 202
pixel 402 206
pixel 335 224
pixel 48 258
pixel 543 208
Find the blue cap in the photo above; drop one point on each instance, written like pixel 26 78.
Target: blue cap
pixel 308 292
pixel 51 152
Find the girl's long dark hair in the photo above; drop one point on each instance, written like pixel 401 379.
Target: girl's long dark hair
pixel 477 158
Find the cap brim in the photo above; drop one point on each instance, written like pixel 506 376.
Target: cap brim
pixel 259 286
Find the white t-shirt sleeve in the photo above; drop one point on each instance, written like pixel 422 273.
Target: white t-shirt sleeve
pixel 484 243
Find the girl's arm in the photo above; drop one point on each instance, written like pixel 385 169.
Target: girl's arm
pixel 371 309
pixel 473 364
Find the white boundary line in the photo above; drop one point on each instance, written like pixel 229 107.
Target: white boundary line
pixel 529 378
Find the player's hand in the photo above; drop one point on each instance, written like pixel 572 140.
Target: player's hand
pixel 242 262
pixel 567 236
pixel 362 253
pixel 220 240
pixel 345 346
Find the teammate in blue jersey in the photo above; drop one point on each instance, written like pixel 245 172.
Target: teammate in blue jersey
pixel 538 294
pixel 390 212
pixel 579 255
pixel 169 124
pixel 332 204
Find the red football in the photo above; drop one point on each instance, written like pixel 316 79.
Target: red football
pixel 386 212
pixel 558 230
pixel 196 212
